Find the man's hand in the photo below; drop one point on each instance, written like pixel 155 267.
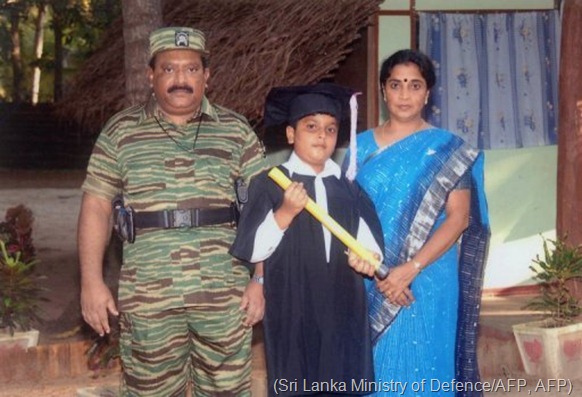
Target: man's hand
pixel 96 303
pixel 253 302
pixel 93 235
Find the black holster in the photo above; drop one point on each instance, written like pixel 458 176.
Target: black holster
pixel 242 196
pixel 123 222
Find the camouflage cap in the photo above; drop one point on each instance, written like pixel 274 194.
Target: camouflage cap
pixel 177 38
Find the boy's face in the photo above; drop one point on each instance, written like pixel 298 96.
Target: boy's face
pixel 314 139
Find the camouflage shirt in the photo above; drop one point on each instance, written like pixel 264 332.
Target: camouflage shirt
pixel 157 165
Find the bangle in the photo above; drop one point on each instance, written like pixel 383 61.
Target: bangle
pixel 417 265
pixel 258 279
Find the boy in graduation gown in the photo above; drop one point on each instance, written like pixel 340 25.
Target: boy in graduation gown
pixel 317 339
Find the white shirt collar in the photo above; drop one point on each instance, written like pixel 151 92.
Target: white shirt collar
pixel 298 166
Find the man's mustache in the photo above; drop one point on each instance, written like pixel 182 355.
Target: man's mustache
pixel 186 88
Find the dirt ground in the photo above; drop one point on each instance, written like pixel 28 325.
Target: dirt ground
pixel 54 197
pixel 82 386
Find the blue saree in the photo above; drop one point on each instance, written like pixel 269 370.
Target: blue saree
pixel 434 341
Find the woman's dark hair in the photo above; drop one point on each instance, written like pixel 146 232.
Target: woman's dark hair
pixel 416 57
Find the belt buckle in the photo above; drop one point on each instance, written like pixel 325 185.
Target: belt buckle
pixel 182 218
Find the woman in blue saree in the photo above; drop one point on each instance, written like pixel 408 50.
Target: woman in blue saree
pixel 427 186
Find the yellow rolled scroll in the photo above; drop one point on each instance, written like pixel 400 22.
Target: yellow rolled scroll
pixel 335 228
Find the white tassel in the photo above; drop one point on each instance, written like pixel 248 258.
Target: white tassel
pixel 351 171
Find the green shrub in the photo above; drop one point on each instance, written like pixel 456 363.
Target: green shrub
pixel 20 288
pixel 560 264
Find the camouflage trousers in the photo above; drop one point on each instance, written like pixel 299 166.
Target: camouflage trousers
pixel 162 352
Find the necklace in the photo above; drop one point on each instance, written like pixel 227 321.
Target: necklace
pixel 420 125
pixel 181 146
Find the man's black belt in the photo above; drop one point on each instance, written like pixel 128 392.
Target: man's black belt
pixel 192 217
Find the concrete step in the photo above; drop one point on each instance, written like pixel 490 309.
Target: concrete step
pixel 497 349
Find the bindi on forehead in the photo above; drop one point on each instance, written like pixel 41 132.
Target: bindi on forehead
pixel 406 80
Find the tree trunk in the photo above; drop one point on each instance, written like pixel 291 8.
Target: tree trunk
pixel 59 57
pixel 38 47
pixel 569 210
pixel 140 17
pixel 17 73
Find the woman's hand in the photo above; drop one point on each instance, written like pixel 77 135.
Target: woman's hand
pixel 396 287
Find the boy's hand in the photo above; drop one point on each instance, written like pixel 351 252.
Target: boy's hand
pixel 294 200
pixel 360 265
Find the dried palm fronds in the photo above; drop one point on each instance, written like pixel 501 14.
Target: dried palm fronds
pixel 254 45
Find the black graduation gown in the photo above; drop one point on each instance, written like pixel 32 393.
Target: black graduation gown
pixel 316 318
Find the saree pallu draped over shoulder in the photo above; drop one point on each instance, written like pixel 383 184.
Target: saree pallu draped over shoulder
pixel 409 183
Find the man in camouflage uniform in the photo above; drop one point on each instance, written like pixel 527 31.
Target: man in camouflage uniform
pixel 186 306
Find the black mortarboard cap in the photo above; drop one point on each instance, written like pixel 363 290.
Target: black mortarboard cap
pixel 287 105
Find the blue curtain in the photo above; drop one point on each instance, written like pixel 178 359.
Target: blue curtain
pixel 497 76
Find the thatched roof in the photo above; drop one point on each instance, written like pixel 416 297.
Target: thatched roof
pixel 254 44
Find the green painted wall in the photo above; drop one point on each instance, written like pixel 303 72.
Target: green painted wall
pixel 521 193
pixel 521 185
